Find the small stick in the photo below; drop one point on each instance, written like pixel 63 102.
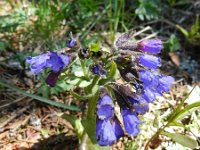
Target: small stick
pixel 148 37
pixel 14 116
pixel 15 101
pixel 141 31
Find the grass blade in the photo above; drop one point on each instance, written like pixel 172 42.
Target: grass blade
pixel 39 98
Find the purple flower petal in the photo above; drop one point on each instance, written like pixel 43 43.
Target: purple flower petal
pixel 149 61
pixel 149 95
pixel 117 129
pixel 165 83
pixel 65 59
pixel 153 46
pixel 105 133
pixel 52 78
pixel 38 63
pixel 71 43
pixel 55 62
pixel 105 112
pixel 50 60
pixel 105 100
pixel 147 77
pixel 139 104
pixel 131 122
pixel 95 69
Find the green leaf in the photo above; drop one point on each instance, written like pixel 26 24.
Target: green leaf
pixel 44 90
pixel 182 139
pixel 90 128
pixel 74 81
pixel 2 46
pixel 39 98
pixel 45 132
pixel 80 97
pixel 113 69
pixel 84 83
pixel 187 110
pixel 173 115
pixel 85 97
pixel 173 43
pixel 176 124
pixel 76 123
pixel 112 73
pixel 94 47
pixel 185 32
pixel 195 27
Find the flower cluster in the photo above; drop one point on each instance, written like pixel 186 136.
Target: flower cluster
pixel 139 71
pixel 141 82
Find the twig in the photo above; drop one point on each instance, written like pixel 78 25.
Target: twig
pixel 18 124
pixel 148 37
pixel 141 31
pixel 15 101
pixel 14 116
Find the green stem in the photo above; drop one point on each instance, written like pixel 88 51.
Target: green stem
pixel 92 106
pixel 84 69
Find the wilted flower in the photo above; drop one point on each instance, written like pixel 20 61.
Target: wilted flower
pixel 99 70
pixel 153 46
pixel 84 53
pixel 52 78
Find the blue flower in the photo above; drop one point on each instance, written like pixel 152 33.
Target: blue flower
pixel 149 95
pixel 71 43
pixel 154 84
pixel 105 112
pixel 56 62
pixel 105 133
pixel 105 108
pixel 149 61
pixel 108 129
pixel 149 78
pixel 38 63
pixel 153 46
pixel 105 100
pixel 131 122
pixel 95 69
pixel 165 83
